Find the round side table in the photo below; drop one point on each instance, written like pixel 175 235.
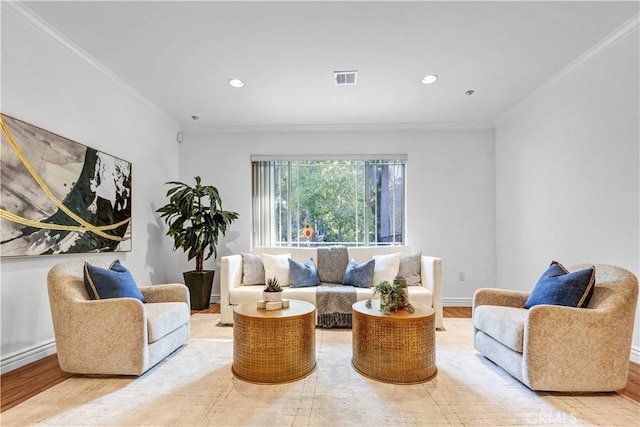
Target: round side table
pixel 274 346
pixel 396 348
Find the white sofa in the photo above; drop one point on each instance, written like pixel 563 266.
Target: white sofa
pixel 232 291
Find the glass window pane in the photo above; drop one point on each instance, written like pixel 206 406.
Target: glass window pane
pixel 328 202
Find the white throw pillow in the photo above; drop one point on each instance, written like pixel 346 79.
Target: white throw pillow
pixel 252 269
pixel 386 268
pixel 277 266
pixel 410 266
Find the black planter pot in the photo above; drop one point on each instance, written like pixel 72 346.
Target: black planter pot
pixel 199 285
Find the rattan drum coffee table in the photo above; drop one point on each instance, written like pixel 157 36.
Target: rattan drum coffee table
pixel 274 346
pixel 396 348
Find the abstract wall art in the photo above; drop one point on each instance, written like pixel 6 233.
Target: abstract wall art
pixel 59 196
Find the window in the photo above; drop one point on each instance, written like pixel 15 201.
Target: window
pixel 328 202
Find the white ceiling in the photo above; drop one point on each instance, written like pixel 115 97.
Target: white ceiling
pixel 180 55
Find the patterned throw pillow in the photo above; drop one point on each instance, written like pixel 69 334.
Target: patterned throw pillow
pixel 557 286
pixel 410 268
pixel 302 275
pixel 277 266
pixel 252 269
pixel 387 267
pixel 115 282
pixel 359 275
pixel 332 263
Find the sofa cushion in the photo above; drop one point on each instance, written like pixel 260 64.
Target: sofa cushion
pixel 503 324
pixel 164 318
pixel 252 294
pixel 332 263
pixel 557 286
pixel 410 268
pixel 386 267
pixel 252 269
pixel 277 266
pixel 302 275
pixel 114 282
pixel 359 275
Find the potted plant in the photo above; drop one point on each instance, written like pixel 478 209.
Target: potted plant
pixel 272 290
pixel 393 296
pixel 196 220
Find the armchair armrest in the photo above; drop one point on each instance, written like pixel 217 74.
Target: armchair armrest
pixel 431 278
pixel 565 345
pixel 172 292
pixel 120 335
pixel 501 297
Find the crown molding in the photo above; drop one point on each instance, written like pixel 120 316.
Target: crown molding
pixel 615 37
pixel 22 11
pixel 340 127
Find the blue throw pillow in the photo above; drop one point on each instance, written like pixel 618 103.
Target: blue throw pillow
pixel 557 286
pixel 359 275
pixel 302 275
pixel 115 282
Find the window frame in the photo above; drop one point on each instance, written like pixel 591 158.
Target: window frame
pixel 264 204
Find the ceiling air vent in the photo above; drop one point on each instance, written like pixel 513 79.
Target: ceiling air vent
pixel 345 77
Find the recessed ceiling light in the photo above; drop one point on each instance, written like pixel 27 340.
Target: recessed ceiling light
pixel 469 92
pixel 195 117
pixel 429 78
pixel 236 82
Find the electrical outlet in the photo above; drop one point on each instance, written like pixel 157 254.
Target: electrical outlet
pixel 461 276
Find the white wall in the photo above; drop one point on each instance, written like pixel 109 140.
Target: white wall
pixel 567 165
pixel 450 188
pixel 45 84
pixel 561 182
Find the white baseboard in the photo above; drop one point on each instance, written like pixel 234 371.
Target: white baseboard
pixel 24 357
pixel 635 355
pixel 457 302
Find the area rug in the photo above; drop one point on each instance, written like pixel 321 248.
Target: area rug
pixel 195 387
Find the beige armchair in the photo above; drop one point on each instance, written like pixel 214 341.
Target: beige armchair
pixel 556 348
pixel 119 336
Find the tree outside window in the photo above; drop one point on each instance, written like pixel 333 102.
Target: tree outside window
pixel 328 202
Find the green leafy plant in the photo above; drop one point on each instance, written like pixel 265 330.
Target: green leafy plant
pixel 393 296
pixel 196 219
pixel 272 285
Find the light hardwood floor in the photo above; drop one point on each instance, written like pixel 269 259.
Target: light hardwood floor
pixel 21 384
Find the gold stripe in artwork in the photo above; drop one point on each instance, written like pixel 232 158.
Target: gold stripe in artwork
pixel 45 225
pixel 87 226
